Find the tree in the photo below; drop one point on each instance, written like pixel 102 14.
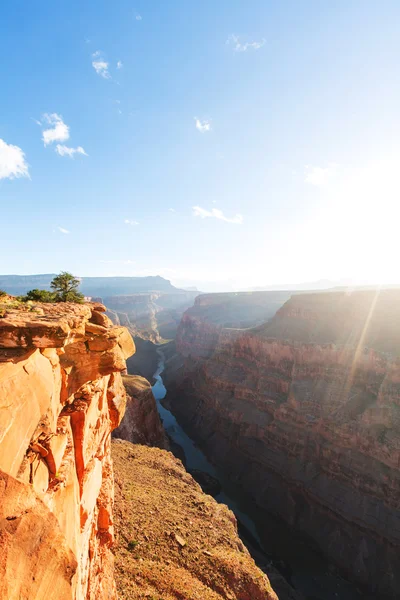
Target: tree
pixel 65 287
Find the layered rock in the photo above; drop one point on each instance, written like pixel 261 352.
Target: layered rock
pixel 141 423
pixel 304 413
pixel 154 316
pixel 61 393
pixel 174 541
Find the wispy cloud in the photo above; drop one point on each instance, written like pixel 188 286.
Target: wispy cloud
pixel 67 151
pixel 319 175
pixel 217 214
pixel 202 126
pixel 120 64
pixel 63 230
pixel 131 222
pixel 12 162
pixel 172 210
pixel 138 18
pixel 234 41
pixel 100 65
pixel 58 130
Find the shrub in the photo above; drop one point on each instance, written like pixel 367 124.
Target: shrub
pixel 132 545
pixel 2 293
pixel 39 296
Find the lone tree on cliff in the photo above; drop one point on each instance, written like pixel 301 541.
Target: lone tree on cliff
pixel 65 287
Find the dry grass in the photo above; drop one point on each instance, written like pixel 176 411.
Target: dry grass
pixel 173 542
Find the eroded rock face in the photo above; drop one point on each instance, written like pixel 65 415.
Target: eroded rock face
pixel 141 423
pixel 61 393
pixel 304 413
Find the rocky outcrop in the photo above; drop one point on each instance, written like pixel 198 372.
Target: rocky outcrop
pixel 304 413
pixel 141 423
pixel 173 541
pixel 61 393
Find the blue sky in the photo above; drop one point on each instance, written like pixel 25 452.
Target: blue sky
pixel 219 144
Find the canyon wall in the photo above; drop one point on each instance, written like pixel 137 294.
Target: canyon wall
pixel 61 394
pixel 154 316
pixel 304 413
pixel 141 423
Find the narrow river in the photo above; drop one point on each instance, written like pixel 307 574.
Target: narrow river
pixel 314 580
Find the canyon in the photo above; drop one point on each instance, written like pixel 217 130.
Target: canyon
pixel 62 392
pixel 150 307
pixel 302 412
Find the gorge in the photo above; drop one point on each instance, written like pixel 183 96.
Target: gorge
pixel 302 413
pixel 61 395
pixel 284 409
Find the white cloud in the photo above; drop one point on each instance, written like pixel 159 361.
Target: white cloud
pixel 12 162
pixel 233 40
pixel 202 126
pixel 100 65
pixel 131 222
pixel 172 210
pixel 318 175
pixel 119 64
pixel 58 132
pixel 67 151
pixel 217 214
pixel 65 231
pixel 138 18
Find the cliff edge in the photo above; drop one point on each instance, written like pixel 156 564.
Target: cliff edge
pixel 174 541
pixel 61 394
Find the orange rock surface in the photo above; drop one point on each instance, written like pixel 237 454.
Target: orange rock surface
pixel 61 393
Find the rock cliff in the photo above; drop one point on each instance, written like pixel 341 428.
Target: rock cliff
pixel 304 413
pixel 141 423
pixel 61 393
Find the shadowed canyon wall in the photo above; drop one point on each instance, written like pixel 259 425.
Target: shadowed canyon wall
pixel 61 393
pixel 304 413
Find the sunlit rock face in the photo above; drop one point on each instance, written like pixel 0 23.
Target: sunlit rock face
pixel 304 412
pixel 61 393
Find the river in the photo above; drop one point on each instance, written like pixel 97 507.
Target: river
pixel 309 573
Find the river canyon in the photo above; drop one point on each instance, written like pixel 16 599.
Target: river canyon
pixel 302 414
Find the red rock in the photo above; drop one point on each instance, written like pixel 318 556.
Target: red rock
pixel 56 524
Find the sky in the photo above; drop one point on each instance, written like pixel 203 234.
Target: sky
pixel 224 145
